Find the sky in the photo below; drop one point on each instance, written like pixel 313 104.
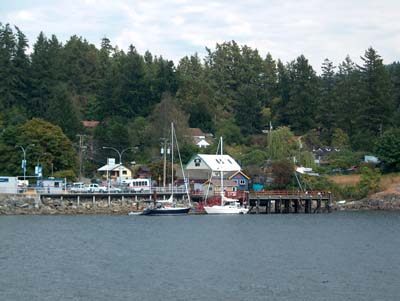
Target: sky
pixel 318 29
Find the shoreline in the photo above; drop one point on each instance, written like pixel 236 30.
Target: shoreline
pixel 31 205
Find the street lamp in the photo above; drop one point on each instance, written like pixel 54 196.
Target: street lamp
pixel 23 165
pixel 120 153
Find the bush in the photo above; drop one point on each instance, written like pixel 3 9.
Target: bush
pixel 369 181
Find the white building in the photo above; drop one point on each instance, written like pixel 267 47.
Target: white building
pixel 203 166
pixel 115 172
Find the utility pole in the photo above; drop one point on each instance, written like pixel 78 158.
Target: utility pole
pixel 164 150
pixel 81 147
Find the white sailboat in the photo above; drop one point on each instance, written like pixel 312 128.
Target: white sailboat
pixel 228 205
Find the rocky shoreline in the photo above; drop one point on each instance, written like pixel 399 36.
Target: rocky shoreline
pixel 34 205
pixel 389 202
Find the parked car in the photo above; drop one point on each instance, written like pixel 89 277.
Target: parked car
pixel 79 187
pixel 96 188
pixel 113 189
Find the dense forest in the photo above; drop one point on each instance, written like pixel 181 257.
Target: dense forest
pixel 236 92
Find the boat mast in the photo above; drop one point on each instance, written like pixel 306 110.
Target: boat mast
pixel 222 175
pixel 172 161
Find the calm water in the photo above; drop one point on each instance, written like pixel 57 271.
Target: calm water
pixel 339 256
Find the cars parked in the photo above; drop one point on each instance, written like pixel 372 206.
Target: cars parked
pixel 96 188
pixel 113 189
pixel 79 187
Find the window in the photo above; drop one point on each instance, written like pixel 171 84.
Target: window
pixel 197 162
pixel 124 172
pixel 242 182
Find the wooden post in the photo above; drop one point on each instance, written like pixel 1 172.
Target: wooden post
pixel 94 201
pixel 296 206
pixel 277 206
pixel 287 206
pixel 319 201
pixel 258 205
pixel 109 200
pixel 328 202
pixel 268 207
pixel 307 208
pixel 78 200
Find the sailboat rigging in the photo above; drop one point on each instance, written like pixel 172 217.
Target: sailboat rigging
pixel 228 205
pixel 169 206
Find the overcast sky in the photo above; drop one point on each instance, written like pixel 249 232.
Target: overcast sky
pixel 318 29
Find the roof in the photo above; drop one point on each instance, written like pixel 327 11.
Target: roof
pixel 110 167
pixel 230 175
pixel 220 162
pixel 202 142
pixel 196 132
pixel 90 123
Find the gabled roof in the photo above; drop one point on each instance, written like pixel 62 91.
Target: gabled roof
pixel 220 162
pixel 230 175
pixel 202 142
pixel 111 167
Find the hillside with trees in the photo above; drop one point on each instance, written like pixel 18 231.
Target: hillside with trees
pixel 234 91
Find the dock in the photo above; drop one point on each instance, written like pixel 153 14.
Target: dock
pixel 268 202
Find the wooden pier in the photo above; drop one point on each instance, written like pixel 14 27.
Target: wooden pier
pixel 289 202
pixel 120 197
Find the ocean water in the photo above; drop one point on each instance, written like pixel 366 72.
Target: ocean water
pixel 338 256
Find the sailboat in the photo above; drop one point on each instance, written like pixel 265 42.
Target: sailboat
pixel 168 207
pixel 228 205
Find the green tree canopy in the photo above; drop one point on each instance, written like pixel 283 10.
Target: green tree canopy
pixel 388 149
pixel 44 144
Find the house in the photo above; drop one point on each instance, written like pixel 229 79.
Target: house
pixel 214 186
pixel 321 154
pixel 115 172
pixel 199 138
pixel 203 167
pixel 241 180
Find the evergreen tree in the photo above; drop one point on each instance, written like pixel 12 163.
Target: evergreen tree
pixel 248 110
pixel 283 91
pixel 9 80
pixel 194 93
pixel 347 94
pixel 269 81
pixel 300 110
pixel 131 88
pixel 377 105
pixel 45 74
pixel 326 113
pixel 22 69
pixel 394 71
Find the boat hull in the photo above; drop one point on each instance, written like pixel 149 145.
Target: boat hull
pixel 166 211
pixel 225 210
